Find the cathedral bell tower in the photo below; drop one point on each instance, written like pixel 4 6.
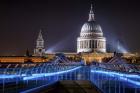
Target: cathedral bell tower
pixel 39 50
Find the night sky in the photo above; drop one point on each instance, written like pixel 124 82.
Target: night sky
pixel 61 22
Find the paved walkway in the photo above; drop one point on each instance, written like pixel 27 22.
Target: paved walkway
pixel 71 86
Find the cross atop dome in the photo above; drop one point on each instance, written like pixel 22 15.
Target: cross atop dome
pixel 91 14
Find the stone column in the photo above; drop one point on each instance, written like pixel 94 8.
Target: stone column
pixel 91 44
pixel 98 44
pixel 81 44
pixel 88 44
pixel 95 43
pixel 77 44
pixel 85 44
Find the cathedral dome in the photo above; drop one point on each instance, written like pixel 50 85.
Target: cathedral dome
pixel 91 37
pixel 91 26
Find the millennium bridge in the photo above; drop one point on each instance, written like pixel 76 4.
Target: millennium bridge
pixel 115 76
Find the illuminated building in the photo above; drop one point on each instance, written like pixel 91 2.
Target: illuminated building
pixel 91 37
pixel 39 50
pixel 91 46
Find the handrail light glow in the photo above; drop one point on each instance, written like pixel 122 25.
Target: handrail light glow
pixel 124 77
pixel 49 74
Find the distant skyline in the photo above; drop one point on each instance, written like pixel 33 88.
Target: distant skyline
pixel 61 22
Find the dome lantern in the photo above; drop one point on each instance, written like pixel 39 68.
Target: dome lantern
pixel 91 25
pixel 91 14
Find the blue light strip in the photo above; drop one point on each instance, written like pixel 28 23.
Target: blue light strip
pixel 124 77
pixel 49 74
pixel 135 76
pixel 8 76
pixel 37 88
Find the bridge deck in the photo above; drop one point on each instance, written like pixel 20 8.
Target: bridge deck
pixel 71 86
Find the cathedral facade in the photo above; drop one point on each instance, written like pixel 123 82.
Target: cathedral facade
pixel 91 37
